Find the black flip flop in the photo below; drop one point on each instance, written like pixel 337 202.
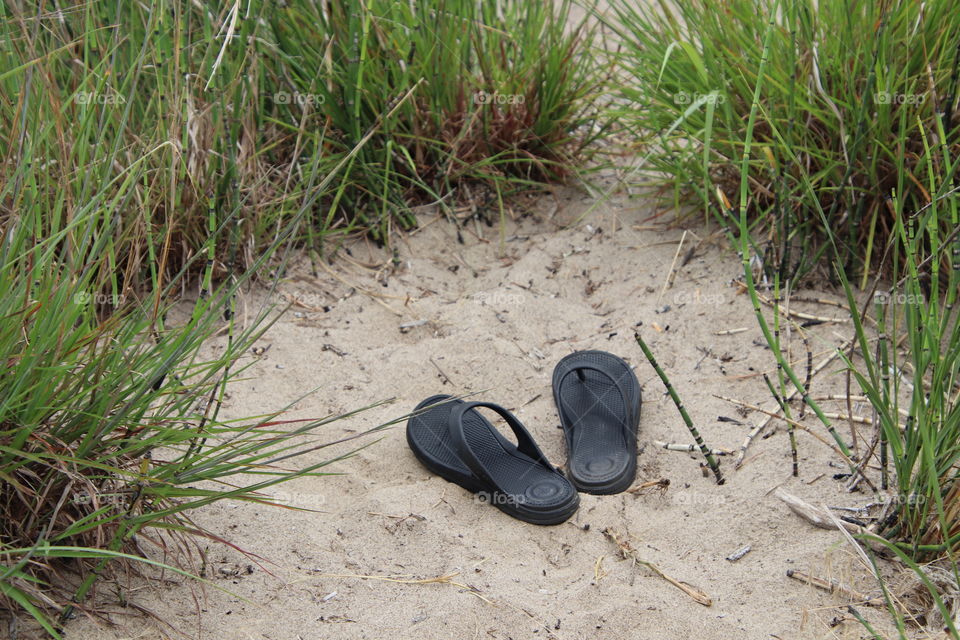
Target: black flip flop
pixel 453 440
pixel 598 398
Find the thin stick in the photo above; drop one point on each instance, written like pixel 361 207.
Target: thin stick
pixel 711 461
pixel 773 414
pixel 627 552
pixel 843 416
pixel 841 396
pixel 797 362
pixel 832 303
pixel 790 396
pixel 671 272
pixel 690 590
pixel 823 519
pixel 730 332
pixel 445 377
pixel 661 485
pixel 802 427
pixel 373 295
pixel 855 398
pixel 833 586
pixel 805 510
pixel 799 315
pixel 406 579
pixel 689 448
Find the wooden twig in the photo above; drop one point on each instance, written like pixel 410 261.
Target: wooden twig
pixel 406 579
pixel 688 448
pixel 832 303
pixel 790 396
pixel 373 295
pixel 798 425
pixel 671 272
pixel 805 510
pixel 334 349
pixel 661 485
pixel 834 586
pixel 599 573
pixel 843 416
pixel 842 396
pixel 690 590
pixel 446 378
pixel 797 314
pixel 822 519
pixel 854 398
pixel 730 332
pixel 627 552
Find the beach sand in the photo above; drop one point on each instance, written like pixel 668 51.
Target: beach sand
pixel 492 318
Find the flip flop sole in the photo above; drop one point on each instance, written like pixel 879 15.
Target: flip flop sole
pixel 429 438
pixel 518 485
pixel 598 398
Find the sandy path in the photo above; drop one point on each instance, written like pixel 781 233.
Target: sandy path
pixel 498 324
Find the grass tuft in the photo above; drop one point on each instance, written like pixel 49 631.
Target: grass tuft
pixel 849 90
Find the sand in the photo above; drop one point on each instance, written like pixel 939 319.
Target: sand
pixel 493 319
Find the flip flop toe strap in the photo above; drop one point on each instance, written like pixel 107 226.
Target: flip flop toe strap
pixel 525 442
pixel 621 389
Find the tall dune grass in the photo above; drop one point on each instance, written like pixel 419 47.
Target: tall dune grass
pixel 505 96
pixel 849 90
pixel 238 107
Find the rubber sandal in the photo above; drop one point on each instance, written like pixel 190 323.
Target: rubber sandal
pixel 598 398
pixel 453 440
